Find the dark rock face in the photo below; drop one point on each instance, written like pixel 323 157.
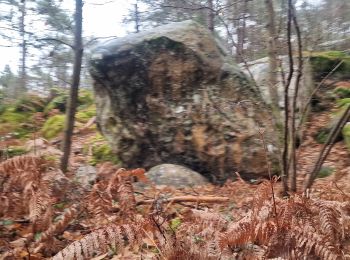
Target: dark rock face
pixel 171 95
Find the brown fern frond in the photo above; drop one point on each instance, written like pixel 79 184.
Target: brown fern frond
pixel 311 243
pixel 99 241
pixel 238 233
pixel 330 221
pixel 60 225
pixel 121 189
pixel 205 218
pixel 99 203
pixel 40 212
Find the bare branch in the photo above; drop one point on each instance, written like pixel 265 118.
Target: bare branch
pixel 57 40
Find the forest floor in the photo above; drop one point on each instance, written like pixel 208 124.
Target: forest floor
pixel 77 210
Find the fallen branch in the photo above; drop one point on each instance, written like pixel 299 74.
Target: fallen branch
pixel 198 199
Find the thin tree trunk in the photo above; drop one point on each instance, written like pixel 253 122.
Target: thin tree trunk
pixel 293 173
pixel 137 17
pixel 72 102
pixel 211 15
pixel 273 85
pixel 23 73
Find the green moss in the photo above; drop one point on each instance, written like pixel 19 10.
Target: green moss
pixel 103 153
pixel 346 135
pixel 86 114
pixel 85 98
pixel 11 116
pixel 325 172
pixel 53 126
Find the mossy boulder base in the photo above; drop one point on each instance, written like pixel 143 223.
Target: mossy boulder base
pixel 173 95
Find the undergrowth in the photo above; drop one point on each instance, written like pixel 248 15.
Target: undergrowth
pixel 300 227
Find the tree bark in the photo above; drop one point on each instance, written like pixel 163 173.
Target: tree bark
pixel 73 97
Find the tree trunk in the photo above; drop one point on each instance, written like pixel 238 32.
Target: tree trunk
pixel 273 84
pixel 72 102
pixel 211 15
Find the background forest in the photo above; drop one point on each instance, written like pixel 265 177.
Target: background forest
pixel 63 193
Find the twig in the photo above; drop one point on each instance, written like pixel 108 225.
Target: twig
pixel 202 199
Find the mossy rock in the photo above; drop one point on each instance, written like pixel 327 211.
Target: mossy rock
pixel 346 135
pixel 53 126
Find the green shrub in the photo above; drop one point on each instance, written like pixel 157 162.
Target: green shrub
pixel 30 103
pixel 322 135
pixel 58 102
pixel 324 62
pixel 342 92
pixel 325 172
pixel 346 135
pixel 53 126
pixel 13 151
pixel 344 102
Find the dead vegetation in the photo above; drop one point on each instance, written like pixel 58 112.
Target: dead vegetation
pixel 112 220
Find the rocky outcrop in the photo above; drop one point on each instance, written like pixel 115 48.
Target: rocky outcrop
pixel 172 95
pixel 260 71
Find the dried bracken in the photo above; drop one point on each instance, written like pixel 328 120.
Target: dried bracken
pixel 298 227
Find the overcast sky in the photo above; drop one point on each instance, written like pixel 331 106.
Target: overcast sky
pixel 99 21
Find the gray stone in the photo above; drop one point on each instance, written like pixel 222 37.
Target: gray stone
pixel 175 175
pixel 86 175
pixel 173 95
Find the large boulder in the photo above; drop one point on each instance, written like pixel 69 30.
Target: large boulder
pixel 173 95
